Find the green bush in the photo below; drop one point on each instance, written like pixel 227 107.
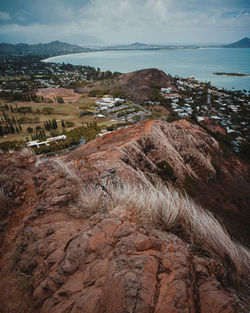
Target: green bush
pixel 47 110
pixel 98 92
pixel 69 124
pixel 11 145
pixel 166 171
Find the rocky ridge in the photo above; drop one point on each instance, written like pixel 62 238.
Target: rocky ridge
pixel 108 261
pixel 180 154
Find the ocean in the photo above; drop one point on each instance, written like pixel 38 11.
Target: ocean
pixel 200 63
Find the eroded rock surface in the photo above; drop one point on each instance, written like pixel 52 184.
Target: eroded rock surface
pixel 53 262
pixel 178 153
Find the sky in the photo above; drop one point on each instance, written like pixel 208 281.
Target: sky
pixel 108 22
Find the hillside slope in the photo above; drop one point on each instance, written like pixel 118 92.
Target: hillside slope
pixel 178 153
pixel 59 256
pixel 139 85
pixel 51 48
pixel 243 43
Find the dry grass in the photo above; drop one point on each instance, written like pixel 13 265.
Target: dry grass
pixel 41 160
pixel 3 179
pixel 4 202
pixel 27 152
pixel 165 208
pixel 62 169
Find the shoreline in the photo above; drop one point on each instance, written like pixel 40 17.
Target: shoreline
pixel 129 49
pixel 64 55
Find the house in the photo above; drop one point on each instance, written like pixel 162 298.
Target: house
pixel 183 114
pixel 200 119
pixel 119 100
pixel 166 90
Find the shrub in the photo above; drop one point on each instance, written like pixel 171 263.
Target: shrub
pixel 4 203
pixel 47 110
pixel 69 124
pixel 60 100
pixel 62 169
pixel 6 146
pixel 165 170
pixel 27 152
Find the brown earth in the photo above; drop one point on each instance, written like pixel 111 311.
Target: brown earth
pixel 53 262
pixel 220 183
pixel 213 126
pixel 51 93
pixel 139 85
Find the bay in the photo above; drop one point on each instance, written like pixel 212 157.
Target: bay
pixel 200 63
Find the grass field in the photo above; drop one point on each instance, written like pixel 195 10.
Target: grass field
pixel 69 111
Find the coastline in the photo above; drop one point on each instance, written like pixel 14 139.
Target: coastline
pixel 172 61
pixel 64 55
pixel 129 49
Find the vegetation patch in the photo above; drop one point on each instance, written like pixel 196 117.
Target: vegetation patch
pixel 166 171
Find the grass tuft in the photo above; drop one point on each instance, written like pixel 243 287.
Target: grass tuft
pixel 4 202
pixel 164 208
pixel 63 170
pixel 27 152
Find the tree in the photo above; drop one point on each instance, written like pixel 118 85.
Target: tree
pixel 29 130
pixel 12 129
pixel 47 110
pixel 63 124
pixel 60 100
pixel 54 124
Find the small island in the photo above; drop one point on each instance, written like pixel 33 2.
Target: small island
pixel 230 74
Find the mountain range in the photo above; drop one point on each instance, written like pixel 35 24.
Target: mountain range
pixel 49 49
pixel 243 43
pixel 55 48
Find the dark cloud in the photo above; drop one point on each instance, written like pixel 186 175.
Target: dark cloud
pixel 114 21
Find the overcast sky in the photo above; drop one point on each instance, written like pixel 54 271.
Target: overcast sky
pixel 124 21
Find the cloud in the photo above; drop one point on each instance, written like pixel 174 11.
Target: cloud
pixel 35 33
pixel 4 16
pixel 124 21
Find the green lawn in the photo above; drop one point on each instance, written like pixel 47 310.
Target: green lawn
pixel 66 111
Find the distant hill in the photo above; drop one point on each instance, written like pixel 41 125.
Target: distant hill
pixel 49 49
pixel 243 43
pixel 136 46
pixel 140 86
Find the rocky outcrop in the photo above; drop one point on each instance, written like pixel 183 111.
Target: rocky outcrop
pixel 178 153
pixel 51 261
pixel 108 260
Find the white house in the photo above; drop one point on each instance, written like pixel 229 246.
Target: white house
pixel 166 90
pixel 37 143
pixel 200 119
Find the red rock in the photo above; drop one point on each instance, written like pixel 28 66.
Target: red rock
pixel 107 263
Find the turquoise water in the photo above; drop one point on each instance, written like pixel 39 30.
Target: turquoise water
pixel 200 63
